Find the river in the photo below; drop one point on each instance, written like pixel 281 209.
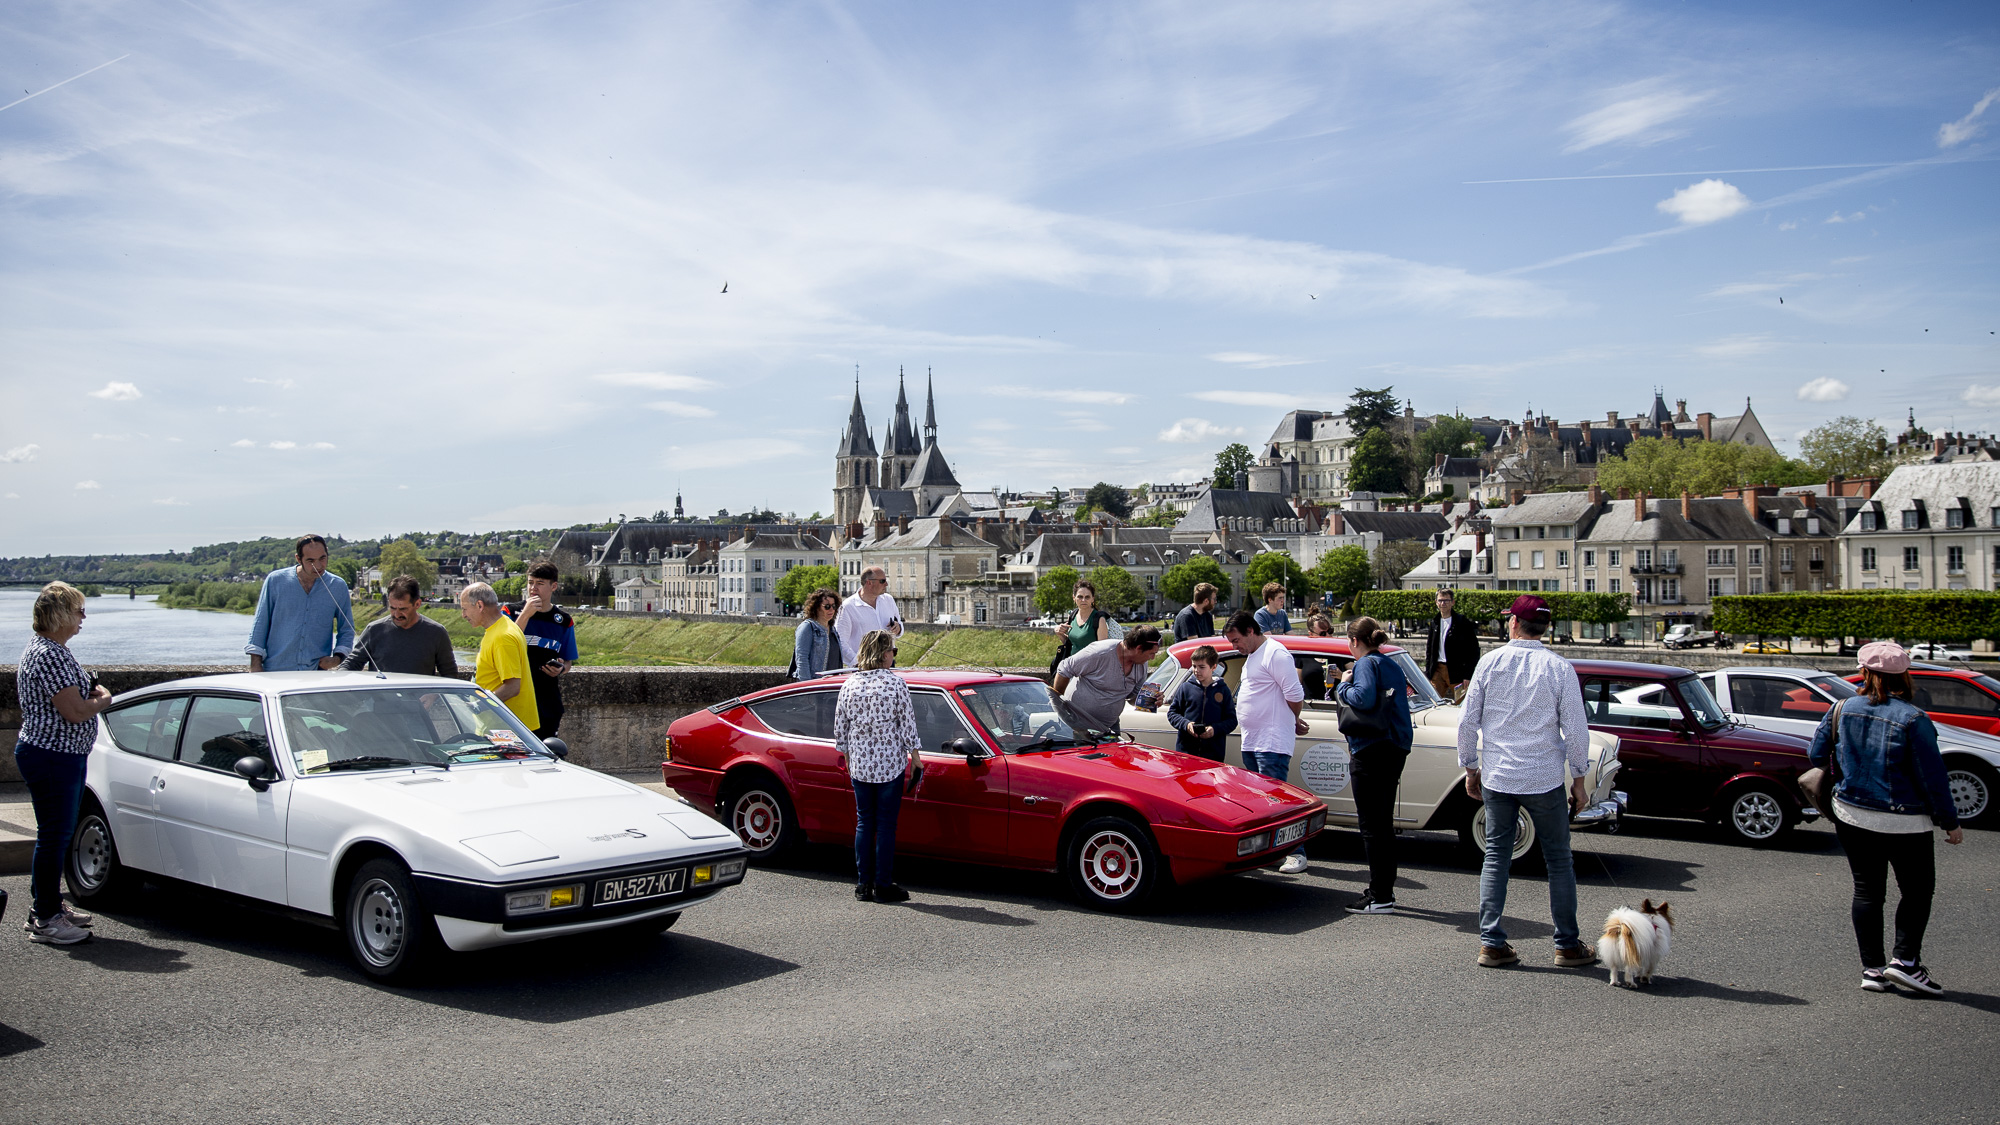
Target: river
pixel 118 629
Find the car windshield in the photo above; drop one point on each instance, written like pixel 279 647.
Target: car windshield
pixel 1695 694
pixel 1987 682
pixel 1028 716
pixel 331 731
pixel 1834 686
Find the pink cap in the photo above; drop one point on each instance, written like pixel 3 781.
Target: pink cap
pixel 1884 656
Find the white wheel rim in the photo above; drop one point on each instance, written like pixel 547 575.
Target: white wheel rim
pixel 1111 864
pixel 757 820
pixel 1969 794
pixel 379 922
pixel 1524 832
pixel 1757 815
pixel 92 850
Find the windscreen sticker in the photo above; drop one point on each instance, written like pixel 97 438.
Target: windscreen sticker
pixel 310 760
pixel 504 738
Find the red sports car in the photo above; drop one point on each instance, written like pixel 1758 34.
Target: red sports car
pixel 1958 696
pixel 1012 777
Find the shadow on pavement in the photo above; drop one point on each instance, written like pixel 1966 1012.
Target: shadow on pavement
pixel 14 1041
pixel 1679 987
pixel 120 956
pixel 978 914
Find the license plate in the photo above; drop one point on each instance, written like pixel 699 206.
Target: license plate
pixel 1288 833
pixel 650 884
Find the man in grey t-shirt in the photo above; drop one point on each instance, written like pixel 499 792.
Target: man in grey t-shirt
pixel 1106 675
pixel 406 640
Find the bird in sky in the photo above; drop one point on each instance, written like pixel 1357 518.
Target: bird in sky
pixel 1314 296
pixel 725 287
pixel 1781 300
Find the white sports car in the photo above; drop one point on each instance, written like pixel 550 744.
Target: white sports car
pixel 411 812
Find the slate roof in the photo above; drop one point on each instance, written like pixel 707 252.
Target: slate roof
pixel 1297 425
pixel 1939 487
pixel 930 471
pixel 1261 508
pixel 1395 525
pixel 923 533
pixel 579 542
pixel 855 440
pixel 902 435
pixel 1547 508
pixel 1059 548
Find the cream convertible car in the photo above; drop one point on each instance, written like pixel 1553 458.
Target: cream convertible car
pixel 411 812
pixel 1433 790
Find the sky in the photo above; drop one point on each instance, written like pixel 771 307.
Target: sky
pixel 365 268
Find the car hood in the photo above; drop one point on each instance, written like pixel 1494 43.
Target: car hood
pixel 1750 738
pixel 1172 774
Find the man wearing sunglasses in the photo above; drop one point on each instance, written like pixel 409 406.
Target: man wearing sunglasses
pixel 866 610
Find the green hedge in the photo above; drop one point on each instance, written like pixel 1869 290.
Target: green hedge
pixel 1488 605
pixel 1918 615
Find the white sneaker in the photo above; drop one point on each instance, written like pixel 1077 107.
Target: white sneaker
pixel 55 931
pixel 1294 864
pixel 70 913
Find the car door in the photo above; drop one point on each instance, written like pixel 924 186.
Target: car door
pixel 1958 701
pixel 143 737
pixel 215 830
pixel 1662 766
pixel 959 809
pixel 800 744
pixel 1777 703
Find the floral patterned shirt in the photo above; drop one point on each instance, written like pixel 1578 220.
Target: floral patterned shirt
pixel 46 669
pixel 875 725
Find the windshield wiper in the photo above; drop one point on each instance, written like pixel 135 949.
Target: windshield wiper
pixel 371 762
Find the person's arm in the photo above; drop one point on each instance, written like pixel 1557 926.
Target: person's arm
pixel 802 647
pixel 343 624
pixel 1820 751
pixel 1928 767
pixel 1177 710
pixel 356 660
pixel 74 707
pixel 569 650
pixel 1061 683
pixel 508 689
pixel 1361 690
pixel 1103 626
pixel 895 617
pixel 260 628
pixel 1064 670
pixel 1574 722
pixel 1472 712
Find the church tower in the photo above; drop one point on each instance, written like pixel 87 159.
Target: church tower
pixel 853 463
pixel 930 412
pixel 901 456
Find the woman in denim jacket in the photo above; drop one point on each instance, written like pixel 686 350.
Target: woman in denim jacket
pixel 1891 791
pixel 815 650
pixel 1375 686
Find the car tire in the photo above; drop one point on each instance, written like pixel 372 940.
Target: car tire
pixel 759 811
pixel 1527 842
pixel 389 933
pixel 1756 814
pixel 1111 863
pixel 1973 785
pixel 96 877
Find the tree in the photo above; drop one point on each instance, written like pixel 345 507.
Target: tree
pixel 348 567
pixel 1372 410
pixel 1451 435
pixel 1232 466
pixel 1276 566
pixel 1846 447
pixel 1117 591
pixel 1109 498
pixel 1342 572
pixel 1375 464
pixel 603 588
pixel 1662 467
pixel 1397 557
pixel 507 589
pixel 402 557
pixel 1054 590
pixel 1180 580
pixel 799 582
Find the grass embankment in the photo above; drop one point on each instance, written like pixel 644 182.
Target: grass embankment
pixel 630 641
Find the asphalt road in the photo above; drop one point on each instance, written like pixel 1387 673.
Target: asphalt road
pixel 992 997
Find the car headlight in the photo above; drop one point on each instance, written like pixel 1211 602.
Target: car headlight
pixel 544 898
pixel 716 872
pixel 1251 844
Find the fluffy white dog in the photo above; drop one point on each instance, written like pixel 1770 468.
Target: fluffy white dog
pixel 1635 942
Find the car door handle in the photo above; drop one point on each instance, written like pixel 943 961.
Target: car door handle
pixel 1032 800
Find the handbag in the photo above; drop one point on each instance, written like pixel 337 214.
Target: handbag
pixel 1817 783
pixel 1356 723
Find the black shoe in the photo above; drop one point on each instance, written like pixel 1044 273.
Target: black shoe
pixel 1913 976
pixel 890 892
pixel 864 892
pixel 1367 904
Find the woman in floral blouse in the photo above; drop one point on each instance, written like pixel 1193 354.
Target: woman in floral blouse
pixel 875 726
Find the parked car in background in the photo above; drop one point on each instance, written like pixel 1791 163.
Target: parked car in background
pixel 412 812
pixel 1794 700
pixel 1956 696
pixel 1012 777
pixel 1766 648
pixel 1432 794
pixel 1940 652
pixel 1684 757
pixel 1687 636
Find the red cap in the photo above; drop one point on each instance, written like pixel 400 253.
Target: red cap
pixel 1529 607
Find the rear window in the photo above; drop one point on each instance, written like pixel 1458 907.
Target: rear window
pixel 801 714
pixel 150 728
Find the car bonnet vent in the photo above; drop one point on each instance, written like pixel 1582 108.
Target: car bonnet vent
pixel 422 781
pixel 1094 755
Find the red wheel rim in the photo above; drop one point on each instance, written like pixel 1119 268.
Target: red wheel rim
pixel 757 820
pixel 1111 864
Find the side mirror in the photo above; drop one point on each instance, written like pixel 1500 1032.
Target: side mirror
pixel 557 747
pixel 254 770
pixel 1678 726
pixel 972 750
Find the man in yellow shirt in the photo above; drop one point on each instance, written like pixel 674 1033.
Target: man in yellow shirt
pixel 503 654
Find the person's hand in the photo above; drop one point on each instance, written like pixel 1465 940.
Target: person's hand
pixel 1472 788
pixel 101 693
pixel 329 663
pixel 533 604
pixel 1576 796
pixel 1347 673
pixel 1955 836
pixel 1301 726
pixel 555 667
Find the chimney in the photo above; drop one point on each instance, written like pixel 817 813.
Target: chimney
pixel 881 526
pixel 1705 422
pixel 1749 496
pixel 1514 496
pixel 1624 494
pixel 854 530
pixel 1680 410
pixel 902 525
pixel 1554 435
pixel 1339 524
pixel 1634 424
pixel 1937 447
pixel 1687 505
pixel 1611 418
pixel 944 532
pixel 1478 543
pixel 1585 427
pixel 1096 539
pixel 1833 486
pixel 1639 506
pixel 1439 462
pixel 1596 493
pixel 749 534
pixel 1445 508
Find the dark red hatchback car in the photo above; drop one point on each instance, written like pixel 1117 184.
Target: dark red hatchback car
pixel 1684 758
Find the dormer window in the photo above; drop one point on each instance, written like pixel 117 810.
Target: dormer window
pixel 1870 522
pixel 1954 517
pixel 1912 519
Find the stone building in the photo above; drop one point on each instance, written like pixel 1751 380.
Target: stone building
pixel 748 569
pixel 688 578
pixel 921 557
pixel 1929 527
pixel 909 478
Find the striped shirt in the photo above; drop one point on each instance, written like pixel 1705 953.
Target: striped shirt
pixel 46 669
pixel 1527 704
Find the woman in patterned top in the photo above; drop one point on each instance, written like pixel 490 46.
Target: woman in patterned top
pixel 875 726
pixel 59 710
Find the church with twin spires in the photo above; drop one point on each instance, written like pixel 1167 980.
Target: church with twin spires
pixel 906 478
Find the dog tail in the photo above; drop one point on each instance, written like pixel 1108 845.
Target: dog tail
pixel 1618 934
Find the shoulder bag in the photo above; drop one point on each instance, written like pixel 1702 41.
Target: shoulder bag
pixel 1355 723
pixel 1817 783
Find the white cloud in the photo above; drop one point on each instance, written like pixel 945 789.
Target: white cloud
pixel 1705 202
pixel 243 443
pixel 1736 347
pixel 281 384
pixel 118 392
pixel 87 486
pixel 1640 117
pixel 1073 395
pixel 1256 359
pixel 284 445
pixel 13 496
pixel 1789 224
pixel 681 409
pixel 1265 400
pixel 1826 388
pixel 1192 430
pixel 1982 396
pixel 111 437
pixel 1969 126
pixel 170 502
pixel 321 445
pixel 19 454
pixel 1855 217
pixel 656 381
pixel 1745 289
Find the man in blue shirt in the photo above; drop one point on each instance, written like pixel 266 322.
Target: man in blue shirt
pixel 551 636
pixel 1272 618
pixel 304 619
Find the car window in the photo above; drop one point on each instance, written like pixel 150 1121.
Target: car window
pixel 394 728
pixel 1775 698
pixel 1953 696
pixel 1694 695
pixel 220 729
pixel 1834 686
pixel 1165 676
pixel 150 728
pixel 1019 714
pixel 937 720
pixel 805 714
pixel 1627 703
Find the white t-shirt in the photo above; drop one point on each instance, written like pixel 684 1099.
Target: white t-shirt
pixel 857 619
pixel 1270 682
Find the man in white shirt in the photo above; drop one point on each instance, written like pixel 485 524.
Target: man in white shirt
pixel 1269 699
pixel 866 610
pixel 1526 704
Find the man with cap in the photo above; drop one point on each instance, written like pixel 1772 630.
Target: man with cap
pixel 1524 740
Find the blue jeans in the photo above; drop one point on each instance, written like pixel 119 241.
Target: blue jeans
pixel 875 806
pixel 1549 812
pixel 55 784
pixel 1277 767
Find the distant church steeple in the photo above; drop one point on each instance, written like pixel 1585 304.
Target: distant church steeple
pixel 854 462
pixel 930 412
pixel 901 455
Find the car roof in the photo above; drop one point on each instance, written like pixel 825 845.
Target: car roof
pixel 915 677
pixel 1182 651
pixel 1630 668
pixel 283 683
pixel 1767 669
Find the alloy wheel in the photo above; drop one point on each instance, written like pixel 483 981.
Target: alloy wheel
pixel 1756 815
pixel 1970 795
pixel 1111 864
pixel 757 820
